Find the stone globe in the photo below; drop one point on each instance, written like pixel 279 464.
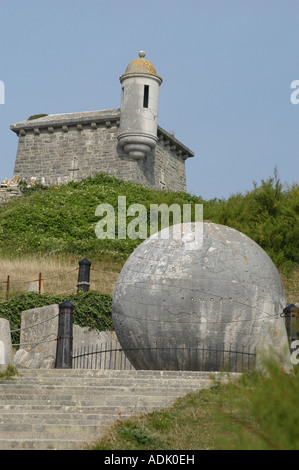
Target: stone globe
pixel 209 305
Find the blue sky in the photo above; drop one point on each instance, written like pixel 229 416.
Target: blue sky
pixel 227 68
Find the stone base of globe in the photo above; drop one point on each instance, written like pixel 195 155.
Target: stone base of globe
pixel 181 307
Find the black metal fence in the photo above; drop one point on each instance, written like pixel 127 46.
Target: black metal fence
pixel 101 356
pixel 205 358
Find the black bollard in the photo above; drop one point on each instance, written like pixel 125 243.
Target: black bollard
pixel 64 350
pixel 84 275
pixel 291 314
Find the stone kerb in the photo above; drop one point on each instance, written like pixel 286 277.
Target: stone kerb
pixel 6 354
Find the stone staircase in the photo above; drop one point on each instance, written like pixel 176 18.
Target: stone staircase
pixel 68 409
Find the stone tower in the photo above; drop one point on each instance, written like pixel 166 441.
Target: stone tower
pixel 139 108
pixel 126 143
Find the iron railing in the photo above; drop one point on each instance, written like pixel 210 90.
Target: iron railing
pixel 101 356
pixel 204 358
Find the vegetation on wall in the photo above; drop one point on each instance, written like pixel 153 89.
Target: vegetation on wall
pixel 92 309
pixel 36 116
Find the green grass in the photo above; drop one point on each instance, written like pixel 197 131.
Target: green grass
pixel 257 412
pixel 8 373
pixel 61 220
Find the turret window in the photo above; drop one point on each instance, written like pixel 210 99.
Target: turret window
pixel 145 96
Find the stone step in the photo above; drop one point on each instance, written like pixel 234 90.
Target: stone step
pixel 43 417
pixel 66 374
pixel 83 432
pixel 92 397
pixel 66 409
pixel 10 408
pixel 51 392
pixel 127 401
pixel 118 380
pixel 113 381
pixel 96 381
pixel 113 372
pixel 21 443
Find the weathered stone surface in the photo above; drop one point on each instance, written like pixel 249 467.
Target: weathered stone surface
pixel 227 295
pixel 39 329
pixel 6 354
pixel 23 359
pixel 63 152
pixel 83 336
pixel 92 340
pixel 7 192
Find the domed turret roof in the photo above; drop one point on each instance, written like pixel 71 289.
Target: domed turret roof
pixel 141 65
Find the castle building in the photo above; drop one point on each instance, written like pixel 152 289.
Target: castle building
pixel 127 143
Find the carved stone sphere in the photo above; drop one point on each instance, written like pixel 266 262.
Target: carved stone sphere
pixel 179 308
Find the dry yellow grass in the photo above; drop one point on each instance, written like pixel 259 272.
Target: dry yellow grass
pixel 291 286
pixel 58 275
pixel 61 275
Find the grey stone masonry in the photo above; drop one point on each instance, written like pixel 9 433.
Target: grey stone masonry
pixel 68 409
pixel 69 147
pixel 8 190
pixel 6 354
pixel 39 329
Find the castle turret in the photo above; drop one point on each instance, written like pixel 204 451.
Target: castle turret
pixel 139 108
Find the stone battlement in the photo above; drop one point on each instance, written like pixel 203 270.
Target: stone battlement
pixel 9 189
pixel 65 147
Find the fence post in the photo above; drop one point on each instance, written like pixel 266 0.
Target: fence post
pixel 64 350
pixel 40 283
pixel 291 314
pixel 7 287
pixel 84 275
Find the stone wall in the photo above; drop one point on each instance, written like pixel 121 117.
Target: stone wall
pixel 6 355
pixel 39 330
pixel 9 190
pixel 61 148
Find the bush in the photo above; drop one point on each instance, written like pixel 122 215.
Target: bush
pixel 269 215
pixel 62 219
pixel 92 309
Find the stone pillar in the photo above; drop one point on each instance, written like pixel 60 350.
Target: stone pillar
pixel 6 354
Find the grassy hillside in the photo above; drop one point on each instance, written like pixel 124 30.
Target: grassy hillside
pixel 50 229
pixel 258 412
pixel 61 220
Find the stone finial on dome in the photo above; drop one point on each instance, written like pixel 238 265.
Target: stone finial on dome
pixel 141 65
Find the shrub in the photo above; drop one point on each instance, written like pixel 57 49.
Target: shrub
pixel 62 219
pixel 92 309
